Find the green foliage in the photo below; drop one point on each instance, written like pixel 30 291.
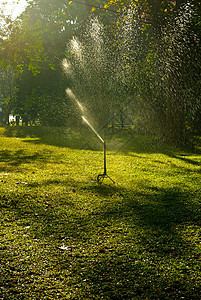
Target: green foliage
pixel 158 53
pixel 22 47
pixel 33 43
pixel 162 66
pixel 42 97
pixel 65 236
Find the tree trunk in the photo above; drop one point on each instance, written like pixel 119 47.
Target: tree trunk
pixel 175 127
pixel 17 120
pixel 7 118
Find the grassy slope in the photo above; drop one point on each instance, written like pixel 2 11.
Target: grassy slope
pixel 64 236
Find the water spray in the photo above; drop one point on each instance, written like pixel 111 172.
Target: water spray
pixel 100 177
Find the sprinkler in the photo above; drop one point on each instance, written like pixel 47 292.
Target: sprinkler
pixel 100 177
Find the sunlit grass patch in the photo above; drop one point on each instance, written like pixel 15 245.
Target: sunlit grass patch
pixel 64 236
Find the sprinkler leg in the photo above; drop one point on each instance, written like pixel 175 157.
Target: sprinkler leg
pixel 105 170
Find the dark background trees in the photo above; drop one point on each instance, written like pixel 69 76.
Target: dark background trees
pixel 167 71
pixel 152 46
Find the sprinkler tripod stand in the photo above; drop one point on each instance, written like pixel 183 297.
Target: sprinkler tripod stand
pixel 101 177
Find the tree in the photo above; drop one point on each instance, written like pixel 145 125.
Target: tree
pixel 29 44
pixel 43 96
pixel 20 48
pixel 160 42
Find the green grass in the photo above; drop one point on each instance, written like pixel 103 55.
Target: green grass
pixel 64 236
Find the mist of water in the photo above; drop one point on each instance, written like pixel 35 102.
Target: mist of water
pixel 74 98
pixel 87 122
pixel 94 75
pixel 82 110
pixel 132 73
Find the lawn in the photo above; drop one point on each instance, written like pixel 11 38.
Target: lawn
pixel 63 235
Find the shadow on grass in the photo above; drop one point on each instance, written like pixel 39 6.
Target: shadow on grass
pixel 121 141
pixel 155 207
pixel 14 159
pixel 76 138
pixel 20 156
pixel 125 243
pixel 186 160
pixel 128 246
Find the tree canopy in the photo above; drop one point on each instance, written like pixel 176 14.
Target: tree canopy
pixel 153 62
